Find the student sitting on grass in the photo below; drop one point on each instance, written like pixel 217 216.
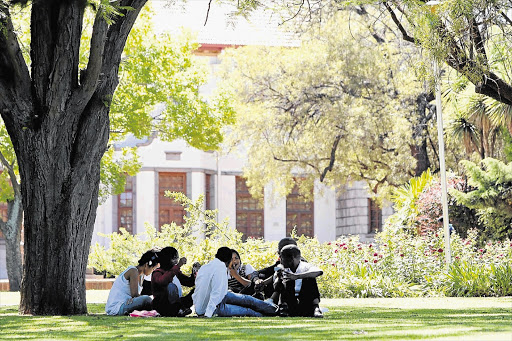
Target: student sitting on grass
pixel 240 275
pixel 264 280
pixel 166 289
pixel 295 285
pixel 124 296
pixel 211 296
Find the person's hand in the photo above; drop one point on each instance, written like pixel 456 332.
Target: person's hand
pixel 288 275
pixel 258 284
pixel 182 261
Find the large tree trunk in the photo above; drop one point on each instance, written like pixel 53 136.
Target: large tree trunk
pixel 60 203
pixel 58 122
pixel 12 234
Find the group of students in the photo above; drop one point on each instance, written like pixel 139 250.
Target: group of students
pixel 223 287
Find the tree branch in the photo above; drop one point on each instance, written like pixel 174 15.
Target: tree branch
pixel 479 43
pixel 91 74
pixel 332 159
pixel 12 175
pixel 398 24
pixel 14 75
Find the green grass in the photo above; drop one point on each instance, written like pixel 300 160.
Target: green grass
pixel 347 319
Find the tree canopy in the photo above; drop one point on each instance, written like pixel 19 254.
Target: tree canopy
pixel 335 109
pixel 470 36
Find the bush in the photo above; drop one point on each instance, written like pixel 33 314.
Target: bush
pixel 397 264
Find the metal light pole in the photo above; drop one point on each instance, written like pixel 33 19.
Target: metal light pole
pixel 440 134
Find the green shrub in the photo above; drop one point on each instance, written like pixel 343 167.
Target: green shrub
pixel 397 264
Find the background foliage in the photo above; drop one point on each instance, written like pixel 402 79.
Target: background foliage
pixel 398 264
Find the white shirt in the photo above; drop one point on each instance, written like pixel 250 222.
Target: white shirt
pixel 211 287
pixel 303 267
pixel 119 293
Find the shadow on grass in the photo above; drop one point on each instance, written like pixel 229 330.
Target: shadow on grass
pixel 365 323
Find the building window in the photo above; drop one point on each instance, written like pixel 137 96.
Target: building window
pixel 174 156
pixel 169 210
pixel 125 206
pixel 249 212
pixel 299 214
pixel 374 217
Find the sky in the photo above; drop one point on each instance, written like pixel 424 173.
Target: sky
pixel 263 28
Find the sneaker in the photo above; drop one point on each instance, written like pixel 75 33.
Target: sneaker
pixel 318 313
pixel 283 310
pixel 184 312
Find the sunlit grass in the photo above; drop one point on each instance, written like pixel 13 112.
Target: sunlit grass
pixel 437 318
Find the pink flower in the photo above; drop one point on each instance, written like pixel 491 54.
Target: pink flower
pixel 401 255
pixel 385 244
pixel 366 260
pixel 440 250
pixel 333 264
pixel 344 248
pixel 336 251
pixel 375 261
pixel 375 254
pixel 359 248
pixel 480 250
pixel 380 256
pixel 329 243
pixel 456 257
pixel 372 245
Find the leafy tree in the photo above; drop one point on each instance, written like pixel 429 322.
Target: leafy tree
pixel 333 109
pixel 472 37
pixel 481 123
pixel 56 112
pixel 490 195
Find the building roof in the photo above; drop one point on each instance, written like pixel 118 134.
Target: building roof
pixel 222 27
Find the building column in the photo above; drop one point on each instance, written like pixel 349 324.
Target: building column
pixel 146 204
pixel 274 216
pixel 325 212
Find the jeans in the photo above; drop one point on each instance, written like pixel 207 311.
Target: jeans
pixel 243 305
pixel 138 303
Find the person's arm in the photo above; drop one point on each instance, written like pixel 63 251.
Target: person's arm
pixel 132 276
pixel 245 282
pixel 311 272
pixel 163 279
pixel 188 281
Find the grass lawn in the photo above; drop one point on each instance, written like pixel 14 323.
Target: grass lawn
pixel 347 319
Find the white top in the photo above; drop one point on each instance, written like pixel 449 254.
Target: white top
pixel 177 282
pixel 303 267
pixel 119 293
pixel 211 287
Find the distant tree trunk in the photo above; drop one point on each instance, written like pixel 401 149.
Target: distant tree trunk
pixel 58 121
pixel 421 118
pixel 12 233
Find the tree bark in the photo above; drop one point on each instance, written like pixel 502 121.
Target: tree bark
pixel 59 126
pixel 12 233
pixel 419 134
